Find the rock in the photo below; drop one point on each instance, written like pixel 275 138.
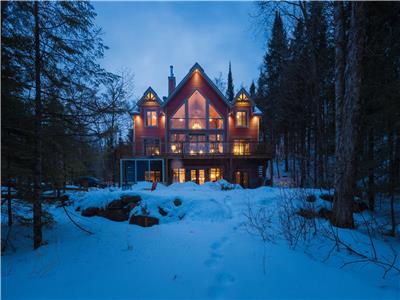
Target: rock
pixel 325 213
pixel 144 221
pixel 162 211
pixel 118 215
pixel 307 213
pixel 90 212
pixel 311 198
pixel 177 202
pixel 326 197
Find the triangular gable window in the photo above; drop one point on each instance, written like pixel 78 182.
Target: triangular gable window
pixel 150 97
pixel 242 97
pixel 215 119
pixel 178 120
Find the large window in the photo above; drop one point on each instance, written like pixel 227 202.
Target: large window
pixel 215 143
pixel 197 111
pixel 241 119
pixel 151 147
pixel 151 118
pixel 241 147
pixel 178 175
pixel 178 120
pixel 177 142
pixel 215 121
pixel 197 143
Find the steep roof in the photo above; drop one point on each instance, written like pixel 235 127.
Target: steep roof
pixel 243 95
pixel 196 68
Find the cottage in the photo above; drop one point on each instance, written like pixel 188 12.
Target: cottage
pixel 196 134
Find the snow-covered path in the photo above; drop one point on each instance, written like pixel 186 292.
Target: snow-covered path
pixel 197 257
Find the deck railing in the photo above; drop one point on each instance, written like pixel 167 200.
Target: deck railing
pixel 214 149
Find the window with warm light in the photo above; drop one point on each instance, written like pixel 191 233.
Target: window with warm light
pixel 215 120
pixel 202 176
pixel 215 143
pixel 150 97
pixel 193 175
pixel 197 111
pixel 241 119
pixel 177 142
pixel 242 97
pixel 151 118
pixel 215 174
pixel 178 175
pixel 152 176
pixel 178 120
pixel 241 147
pixel 151 147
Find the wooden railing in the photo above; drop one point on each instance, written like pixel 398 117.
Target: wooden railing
pixel 214 149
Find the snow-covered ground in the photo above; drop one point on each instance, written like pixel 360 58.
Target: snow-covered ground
pixel 207 254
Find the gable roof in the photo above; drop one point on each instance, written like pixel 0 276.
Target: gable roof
pixel 143 99
pixel 256 110
pixel 196 68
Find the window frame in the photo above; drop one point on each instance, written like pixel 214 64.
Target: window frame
pixel 153 142
pixel 146 124
pixel 247 119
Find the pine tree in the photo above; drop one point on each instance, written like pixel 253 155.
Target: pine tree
pixel 230 93
pixel 252 90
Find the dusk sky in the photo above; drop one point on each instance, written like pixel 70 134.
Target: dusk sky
pixel 148 37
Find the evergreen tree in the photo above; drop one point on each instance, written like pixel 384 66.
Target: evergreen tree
pixel 252 89
pixel 230 93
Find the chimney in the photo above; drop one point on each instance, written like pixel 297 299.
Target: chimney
pixel 171 81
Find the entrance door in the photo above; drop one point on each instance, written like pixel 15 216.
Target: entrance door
pixel 198 175
pixel 242 178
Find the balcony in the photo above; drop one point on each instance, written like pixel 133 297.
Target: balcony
pixel 219 149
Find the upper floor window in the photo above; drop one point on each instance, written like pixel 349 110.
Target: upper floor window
pixel 178 120
pixel 242 97
pixel 241 119
pixel 197 111
pixel 151 118
pixel 215 120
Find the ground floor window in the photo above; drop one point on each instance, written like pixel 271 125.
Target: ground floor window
pixel 193 176
pixel 178 175
pixel 202 176
pixel 215 174
pixel 152 176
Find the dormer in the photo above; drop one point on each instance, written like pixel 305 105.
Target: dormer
pixel 149 98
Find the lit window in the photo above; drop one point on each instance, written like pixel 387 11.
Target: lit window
pixel 215 143
pixel 151 118
pixel 193 176
pixel 215 120
pixel 150 97
pixel 215 174
pixel 177 141
pixel 151 147
pixel 241 147
pixel 202 176
pixel 197 111
pixel 178 120
pixel 241 119
pixel 178 175
pixel 152 176
pixel 242 97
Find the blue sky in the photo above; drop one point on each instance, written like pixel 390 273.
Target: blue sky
pixel 148 37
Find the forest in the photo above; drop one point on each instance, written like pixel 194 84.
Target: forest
pixel 328 88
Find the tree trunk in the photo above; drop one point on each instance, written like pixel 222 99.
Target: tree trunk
pixel 348 109
pixel 371 177
pixel 37 172
pixel 286 150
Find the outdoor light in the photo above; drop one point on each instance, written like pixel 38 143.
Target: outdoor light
pixel 173 148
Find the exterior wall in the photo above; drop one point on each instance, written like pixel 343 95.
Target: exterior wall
pixel 141 131
pixel 251 132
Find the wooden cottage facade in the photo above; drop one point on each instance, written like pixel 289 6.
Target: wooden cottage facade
pixel 196 134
